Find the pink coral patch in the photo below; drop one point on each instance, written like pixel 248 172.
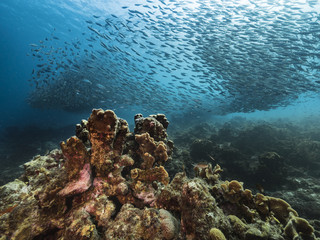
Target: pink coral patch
pixel 148 197
pixel 80 185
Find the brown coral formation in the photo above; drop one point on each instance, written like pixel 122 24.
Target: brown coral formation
pixel 260 214
pixel 107 135
pixel 150 151
pixel 155 125
pixel 155 174
pixel 76 156
pixel 108 183
pixel 82 132
pixel 147 223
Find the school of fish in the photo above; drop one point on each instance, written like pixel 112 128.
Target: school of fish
pixel 218 56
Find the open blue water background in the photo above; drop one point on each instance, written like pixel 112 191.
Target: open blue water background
pixel 27 22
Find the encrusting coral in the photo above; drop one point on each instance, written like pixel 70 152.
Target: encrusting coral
pixel 76 156
pixel 216 234
pixel 109 183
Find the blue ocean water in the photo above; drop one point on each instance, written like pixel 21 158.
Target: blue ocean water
pixel 21 24
pixel 194 59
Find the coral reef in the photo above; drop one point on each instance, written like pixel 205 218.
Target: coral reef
pixel 110 183
pixel 277 158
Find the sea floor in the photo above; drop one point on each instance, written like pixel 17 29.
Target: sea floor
pixel 279 158
pixel 19 145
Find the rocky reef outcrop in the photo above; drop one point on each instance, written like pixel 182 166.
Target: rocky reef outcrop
pixel 110 183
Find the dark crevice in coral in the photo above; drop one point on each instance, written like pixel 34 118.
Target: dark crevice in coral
pixel 50 234
pixel 69 201
pixel 94 172
pixel 176 214
pixel 118 205
pixel 24 178
pixel 126 172
pixel 100 229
